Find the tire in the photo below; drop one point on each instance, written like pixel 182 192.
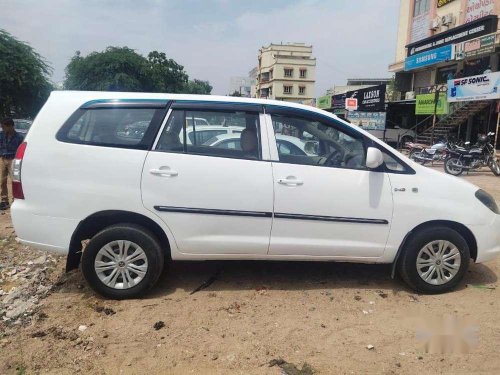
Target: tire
pixel 495 167
pixel 148 263
pixel 417 247
pixel 450 169
pixel 419 161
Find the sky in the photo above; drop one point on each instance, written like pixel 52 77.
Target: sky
pixel 213 39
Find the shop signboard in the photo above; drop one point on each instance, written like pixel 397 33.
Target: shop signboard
pixel 431 57
pixel 481 87
pixel 324 102
pixel 476 47
pixel 483 26
pixel 425 103
pixel 370 99
pixel 442 3
pixel 367 120
pixel 476 9
pixel 351 104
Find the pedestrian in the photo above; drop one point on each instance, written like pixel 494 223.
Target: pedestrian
pixel 9 142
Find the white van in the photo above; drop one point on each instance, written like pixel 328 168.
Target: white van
pixel 141 201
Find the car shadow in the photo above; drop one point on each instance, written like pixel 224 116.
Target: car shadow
pixel 280 275
pixel 218 276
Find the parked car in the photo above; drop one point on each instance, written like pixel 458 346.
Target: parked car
pixel 286 144
pixel 204 133
pixel 394 135
pixel 135 203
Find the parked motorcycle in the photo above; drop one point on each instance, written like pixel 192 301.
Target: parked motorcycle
pixel 482 154
pixel 435 153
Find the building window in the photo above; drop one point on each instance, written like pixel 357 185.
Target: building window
pixel 288 72
pixel 421 7
pixel 302 90
pixel 303 73
pixel 287 89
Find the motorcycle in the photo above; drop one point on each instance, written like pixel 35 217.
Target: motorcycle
pixel 435 153
pixel 483 154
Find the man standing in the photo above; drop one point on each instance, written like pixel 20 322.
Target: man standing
pixel 9 142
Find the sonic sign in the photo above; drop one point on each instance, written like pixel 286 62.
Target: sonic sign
pixel 481 87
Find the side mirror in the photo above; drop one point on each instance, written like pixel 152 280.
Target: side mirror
pixel 397 127
pixel 374 158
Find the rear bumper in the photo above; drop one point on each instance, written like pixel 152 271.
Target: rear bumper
pixel 488 240
pixel 42 232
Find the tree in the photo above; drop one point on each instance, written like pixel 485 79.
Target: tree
pixel 114 69
pixel 123 69
pixel 235 93
pixel 166 74
pixel 198 87
pixel 24 82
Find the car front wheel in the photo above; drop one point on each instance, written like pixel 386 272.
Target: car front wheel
pixel 434 260
pixel 122 261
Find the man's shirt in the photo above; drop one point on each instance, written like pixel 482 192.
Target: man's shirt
pixel 9 144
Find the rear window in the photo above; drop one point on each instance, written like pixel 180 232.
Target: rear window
pixel 119 127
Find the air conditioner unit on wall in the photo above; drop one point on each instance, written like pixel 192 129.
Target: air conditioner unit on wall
pixel 435 23
pixel 448 19
pixel 410 95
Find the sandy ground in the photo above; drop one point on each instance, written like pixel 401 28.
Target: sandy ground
pixel 318 317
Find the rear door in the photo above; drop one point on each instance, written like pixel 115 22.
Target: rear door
pixel 215 200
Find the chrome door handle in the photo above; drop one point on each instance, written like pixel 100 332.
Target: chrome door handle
pixel 290 181
pixel 163 172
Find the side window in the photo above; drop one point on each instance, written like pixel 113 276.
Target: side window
pixel 316 143
pixel 230 134
pixel 109 126
pixel 392 164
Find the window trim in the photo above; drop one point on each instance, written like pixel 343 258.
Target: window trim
pixel 305 73
pixel 284 89
pixel 160 106
pixel 284 72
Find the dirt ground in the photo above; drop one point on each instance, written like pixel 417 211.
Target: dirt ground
pixel 256 318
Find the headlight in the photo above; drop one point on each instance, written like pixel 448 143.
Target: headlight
pixel 487 200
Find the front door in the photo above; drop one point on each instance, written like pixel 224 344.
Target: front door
pixel 215 200
pixel 327 203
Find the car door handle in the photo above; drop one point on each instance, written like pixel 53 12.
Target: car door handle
pixel 163 172
pixel 290 181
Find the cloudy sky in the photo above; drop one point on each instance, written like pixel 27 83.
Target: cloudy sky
pixel 213 39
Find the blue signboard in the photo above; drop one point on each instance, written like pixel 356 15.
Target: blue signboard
pixel 431 57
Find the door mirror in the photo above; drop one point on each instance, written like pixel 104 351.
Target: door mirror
pixel 374 158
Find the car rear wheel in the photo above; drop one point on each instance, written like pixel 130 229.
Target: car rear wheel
pixel 122 261
pixel 434 260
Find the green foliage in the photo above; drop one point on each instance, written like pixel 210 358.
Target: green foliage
pixel 198 87
pixel 123 69
pixel 166 74
pixel 24 83
pixel 115 69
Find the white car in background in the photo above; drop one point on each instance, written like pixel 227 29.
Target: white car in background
pixel 206 132
pixel 286 144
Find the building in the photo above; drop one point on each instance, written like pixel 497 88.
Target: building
pixel 357 83
pixel 252 74
pixel 241 85
pixel 439 41
pixel 286 72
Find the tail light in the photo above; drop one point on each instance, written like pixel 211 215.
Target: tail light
pixel 17 186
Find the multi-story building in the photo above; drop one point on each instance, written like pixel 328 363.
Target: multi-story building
pixel 286 72
pixel 240 85
pixel 356 84
pixel 439 41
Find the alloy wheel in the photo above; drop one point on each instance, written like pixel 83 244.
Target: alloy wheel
pixel 121 264
pixel 438 262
